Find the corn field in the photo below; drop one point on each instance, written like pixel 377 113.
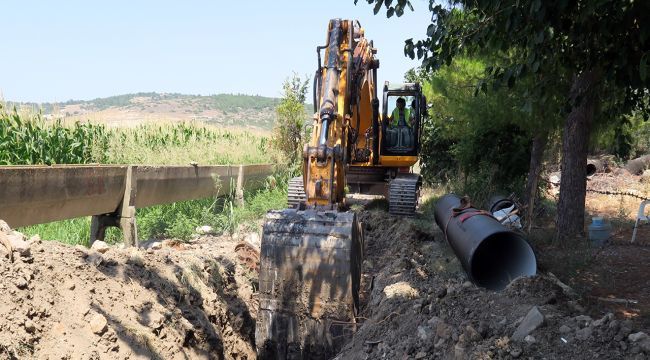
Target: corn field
pixel 28 139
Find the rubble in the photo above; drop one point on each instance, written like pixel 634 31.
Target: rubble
pixel 100 246
pixel 532 321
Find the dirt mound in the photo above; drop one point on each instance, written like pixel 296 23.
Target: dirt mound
pixel 189 301
pixel 419 304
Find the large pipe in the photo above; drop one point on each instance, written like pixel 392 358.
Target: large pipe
pixel 594 166
pixel 491 254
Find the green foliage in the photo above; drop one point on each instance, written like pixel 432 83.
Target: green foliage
pixel 627 138
pixel 28 141
pixel 483 139
pixel 290 130
pixel 554 41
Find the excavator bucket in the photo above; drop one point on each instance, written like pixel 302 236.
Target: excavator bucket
pixel 310 270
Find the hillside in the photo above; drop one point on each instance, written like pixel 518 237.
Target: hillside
pixel 229 110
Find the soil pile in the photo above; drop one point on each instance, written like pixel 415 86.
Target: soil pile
pixel 419 305
pixel 179 301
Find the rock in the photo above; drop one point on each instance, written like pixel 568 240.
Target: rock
pixel 636 337
pixel 401 289
pixel 420 355
pixel 459 351
pixel 530 339
pixel 471 334
pixel 433 322
pixel 516 352
pixel 424 333
pixel 4 227
pixel 156 245
pixel 441 293
pixel 29 326
pixel 583 320
pixel 575 306
pixel 35 239
pixel 584 334
pixel 70 285
pixel 467 284
pixel 443 330
pixel 100 246
pixel 564 329
pixel 532 321
pixel 624 331
pixel 204 230
pixel 440 343
pixel 645 345
pixel 253 239
pixel 21 283
pixel 602 321
pixel 18 244
pixel 95 258
pixel 98 324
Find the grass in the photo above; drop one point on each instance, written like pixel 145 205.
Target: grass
pixel 26 138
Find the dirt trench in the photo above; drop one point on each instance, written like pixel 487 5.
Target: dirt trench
pixel 198 301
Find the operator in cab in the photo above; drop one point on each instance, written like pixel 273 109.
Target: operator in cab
pixel 401 115
pixel 400 132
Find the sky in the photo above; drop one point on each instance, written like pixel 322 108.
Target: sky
pixel 61 50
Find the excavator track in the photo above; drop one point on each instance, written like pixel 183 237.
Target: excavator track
pixel 310 271
pixel 404 192
pixel 296 193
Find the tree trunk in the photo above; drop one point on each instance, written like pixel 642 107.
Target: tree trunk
pixel 536 156
pixel 575 139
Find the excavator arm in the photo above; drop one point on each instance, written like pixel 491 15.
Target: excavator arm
pixel 310 265
pixel 346 79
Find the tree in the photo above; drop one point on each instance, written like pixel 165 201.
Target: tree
pixel 289 130
pixel 594 45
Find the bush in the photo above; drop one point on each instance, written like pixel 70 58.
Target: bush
pixel 290 128
pixel 482 138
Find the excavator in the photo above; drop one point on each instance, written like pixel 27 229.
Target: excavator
pixel 311 253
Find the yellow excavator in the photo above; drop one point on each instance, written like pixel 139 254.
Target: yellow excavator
pixel 311 254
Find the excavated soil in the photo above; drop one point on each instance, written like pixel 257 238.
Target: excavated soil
pixel 182 301
pixel 198 301
pixel 419 305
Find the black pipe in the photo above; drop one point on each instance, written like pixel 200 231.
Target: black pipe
pixel 491 254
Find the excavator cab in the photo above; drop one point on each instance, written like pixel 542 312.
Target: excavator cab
pixel 402 135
